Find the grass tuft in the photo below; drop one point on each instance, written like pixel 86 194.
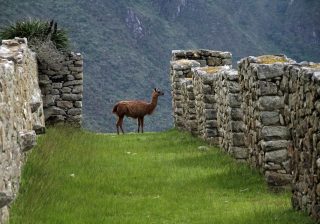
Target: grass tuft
pixel 74 176
pixel 211 69
pixel 271 59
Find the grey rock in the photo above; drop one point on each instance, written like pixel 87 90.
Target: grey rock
pixel 5 199
pixel 65 104
pixel 269 71
pixel 77 89
pixel 72 97
pixel 277 156
pixel 270 103
pixel 239 152
pixel 78 75
pixel 70 77
pixel 274 145
pixel 73 83
pixel 275 133
pixel 237 139
pixel 56 85
pixel 74 111
pixel 267 88
pixel 269 117
pixel 27 140
pixel 66 90
pixel 53 111
pixel 78 104
pixel 35 106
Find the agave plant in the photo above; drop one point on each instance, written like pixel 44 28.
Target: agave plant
pixel 37 29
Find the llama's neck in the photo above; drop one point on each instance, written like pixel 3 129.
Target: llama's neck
pixel 153 103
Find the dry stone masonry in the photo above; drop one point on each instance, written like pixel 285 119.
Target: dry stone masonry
pixel 62 86
pixel 267 133
pixel 21 115
pixel 32 93
pixel 266 113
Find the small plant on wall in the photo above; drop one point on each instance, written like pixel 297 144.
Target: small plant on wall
pixel 44 37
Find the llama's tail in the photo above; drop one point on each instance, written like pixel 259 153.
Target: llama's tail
pixel 114 110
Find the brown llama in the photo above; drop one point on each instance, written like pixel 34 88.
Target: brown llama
pixel 136 109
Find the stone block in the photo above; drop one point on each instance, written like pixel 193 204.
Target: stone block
pixel 269 133
pixel 239 152
pixel 270 103
pixel 266 88
pixel 236 114
pixel 277 156
pixel 277 179
pixel 275 145
pixel 73 83
pixel 237 139
pixel 270 118
pixel 65 104
pixel 78 104
pixel 72 97
pixel 27 140
pixel 74 111
pixel 269 71
pixel 77 89
pixel 234 100
pixel 210 114
pixel 5 199
pixel 236 126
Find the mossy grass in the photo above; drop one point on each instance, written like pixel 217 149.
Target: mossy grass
pixel 211 69
pixel 315 66
pixel 73 176
pixel 271 59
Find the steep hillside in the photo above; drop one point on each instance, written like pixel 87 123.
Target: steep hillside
pixel 127 44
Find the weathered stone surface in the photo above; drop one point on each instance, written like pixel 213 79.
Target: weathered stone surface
pixel 270 103
pixel 270 117
pixel 268 71
pixel 72 97
pixel 275 133
pixel 20 109
pixel 74 111
pixel 277 179
pixel 277 156
pixel 239 152
pixel 65 104
pixel 5 199
pixel 275 145
pixel 27 140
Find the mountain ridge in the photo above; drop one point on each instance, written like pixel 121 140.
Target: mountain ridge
pixel 127 44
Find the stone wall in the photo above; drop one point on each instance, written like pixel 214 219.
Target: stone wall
pixel 62 86
pixel 266 113
pixel 302 114
pixel 206 98
pixel 21 115
pixel 267 133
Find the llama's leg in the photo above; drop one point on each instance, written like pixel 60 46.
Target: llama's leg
pixel 138 124
pixel 118 124
pixel 142 124
pixel 121 122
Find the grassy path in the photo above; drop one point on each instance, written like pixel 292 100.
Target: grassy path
pixel 76 177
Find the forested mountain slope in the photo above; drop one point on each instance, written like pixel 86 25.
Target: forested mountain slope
pixel 127 43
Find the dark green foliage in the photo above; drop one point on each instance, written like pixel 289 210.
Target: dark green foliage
pixel 34 29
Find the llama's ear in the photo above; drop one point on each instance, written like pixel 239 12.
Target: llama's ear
pixel 155 89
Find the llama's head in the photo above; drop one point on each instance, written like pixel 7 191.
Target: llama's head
pixel 157 92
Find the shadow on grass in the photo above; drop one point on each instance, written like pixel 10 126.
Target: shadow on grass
pixel 224 172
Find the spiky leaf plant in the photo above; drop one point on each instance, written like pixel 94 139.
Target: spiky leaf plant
pixel 39 30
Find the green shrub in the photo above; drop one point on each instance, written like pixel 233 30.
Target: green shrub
pixel 34 29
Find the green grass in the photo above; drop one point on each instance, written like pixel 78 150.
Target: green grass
pixel 79 177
